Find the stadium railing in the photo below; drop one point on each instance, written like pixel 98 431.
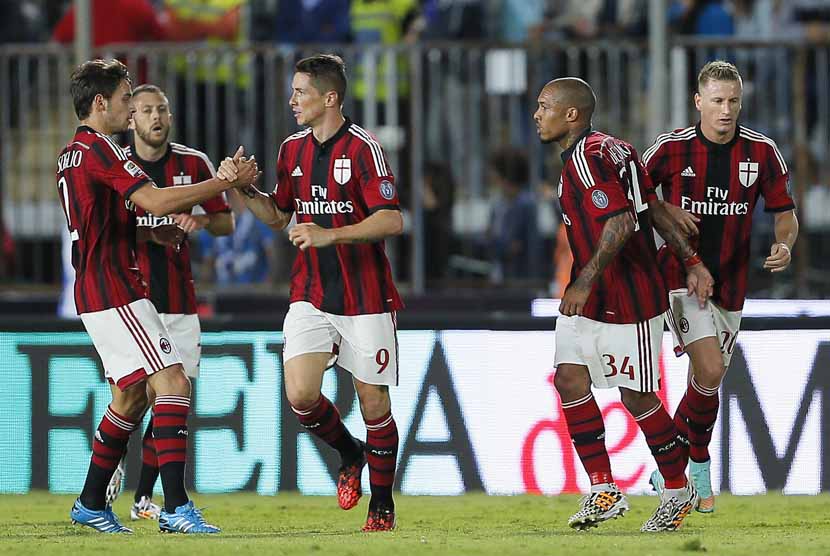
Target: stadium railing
pixel 448 102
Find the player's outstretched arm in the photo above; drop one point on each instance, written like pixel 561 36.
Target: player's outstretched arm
pixel 380 225
pixel 786 232
pixel 684 219
pixel 615 233
pixel 168 200
pixel 698 279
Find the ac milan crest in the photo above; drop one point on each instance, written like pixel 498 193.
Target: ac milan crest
pixel 747 173
pixel 342 170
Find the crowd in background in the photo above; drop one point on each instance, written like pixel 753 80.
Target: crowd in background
pixel 518 244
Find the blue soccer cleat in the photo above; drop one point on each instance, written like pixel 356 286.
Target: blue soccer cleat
pixel 657 482
pixel 186 519
pixel 701 477
pixel 103 521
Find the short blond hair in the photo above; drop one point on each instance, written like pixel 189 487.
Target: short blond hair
pixel 719 70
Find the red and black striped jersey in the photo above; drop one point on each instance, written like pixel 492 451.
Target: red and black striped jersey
pixel 720 184
pixel 333 184
pixel 95 181
pixel 166 270
pixel 603 177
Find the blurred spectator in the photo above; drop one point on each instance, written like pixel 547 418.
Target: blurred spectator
pixel 311 21
pixel 701 17
pixel 245 257
pixel 439 195
pixel 459 19
pixel 517 17
pixel 513 235
pixel 204 108
pixel 574 19
pixel 114 21
pixel 22 21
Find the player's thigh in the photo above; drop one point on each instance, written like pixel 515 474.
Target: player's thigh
pixel 688 322
pixel 623 355
pixel 132 342
pixel 369 347
pixel 310 347
pixel 186 331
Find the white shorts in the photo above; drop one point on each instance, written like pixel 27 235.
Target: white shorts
pixel 617 355
pixel 364 345
pixel 690 323
pixel 131 341
pixel 186 332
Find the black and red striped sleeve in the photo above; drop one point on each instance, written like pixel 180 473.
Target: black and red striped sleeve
pixel 283 194
pixel 775 186
pixel 377 182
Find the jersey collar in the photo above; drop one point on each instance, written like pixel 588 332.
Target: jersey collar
pixel 567 153
pixel 161 161
pixel 334 138
pixel 717 146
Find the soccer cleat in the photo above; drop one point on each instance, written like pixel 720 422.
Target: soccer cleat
pixel 657 482
pixel 349 490
pixel 672 510
pixel 103 521
pixel 186 519
pixel 599 506
pixel 379 519
pixel 114 488
pixel 145 509
pixel 701 478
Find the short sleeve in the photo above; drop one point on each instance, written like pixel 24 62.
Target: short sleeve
pixel 205 171
pixel 115 169
pixel 604 195
pixel 657 164
pixel 377 183
pixel 648 192
pixel 775 187
pixel 283 194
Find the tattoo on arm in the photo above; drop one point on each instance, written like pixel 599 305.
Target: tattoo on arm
pixel 615 233
pixel 668 230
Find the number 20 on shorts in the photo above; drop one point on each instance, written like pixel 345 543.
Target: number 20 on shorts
pixel 626 368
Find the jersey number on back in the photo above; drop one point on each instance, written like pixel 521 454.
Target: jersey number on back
pixel 634 194
pixel 64 189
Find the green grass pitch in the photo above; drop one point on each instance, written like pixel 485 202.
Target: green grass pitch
pixel 475 524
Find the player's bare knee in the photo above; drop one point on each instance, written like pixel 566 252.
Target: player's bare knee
pixel 638 403
pixel 710 374
pixel 571 383
pixel 302 398
pixel 374 400
pixel 132 402
pixel 171 381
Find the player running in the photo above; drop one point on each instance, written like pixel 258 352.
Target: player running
pixel 99 188
pixel 611 327
pixel 164 258
pixel 712 175
pixel 334 177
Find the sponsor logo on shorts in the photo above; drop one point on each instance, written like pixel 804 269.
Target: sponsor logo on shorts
pixel 387 190
pixel 684 325
pixel 600 199
pixel 165 345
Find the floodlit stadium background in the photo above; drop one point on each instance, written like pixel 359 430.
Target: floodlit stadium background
pixel 475 407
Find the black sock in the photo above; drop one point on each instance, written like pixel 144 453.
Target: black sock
pixel 172 477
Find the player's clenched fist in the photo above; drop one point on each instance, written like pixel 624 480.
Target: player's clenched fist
pixel 310 235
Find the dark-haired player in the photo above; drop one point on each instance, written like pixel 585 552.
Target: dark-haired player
pixel 334 177
pixel 610 331
pixel 99 188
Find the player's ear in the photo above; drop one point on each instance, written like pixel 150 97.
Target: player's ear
pixel 331 99
pixel 99 103
pixel 572 114
pixel 698 100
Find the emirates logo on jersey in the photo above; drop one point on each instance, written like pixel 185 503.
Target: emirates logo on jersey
pixel 320 204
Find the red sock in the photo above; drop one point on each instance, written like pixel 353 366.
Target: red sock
pixel 681 421
pixel 170 437
pixel 108 446
pixel 587 431
pixel 703 404
pixel 323 421
pixel 661 437
pixel 381 453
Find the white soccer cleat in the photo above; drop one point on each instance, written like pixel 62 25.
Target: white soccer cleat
pixel 114 488
pixel 675 506
pixel 145 509
pixel 599 506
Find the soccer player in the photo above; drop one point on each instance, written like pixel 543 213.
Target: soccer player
pixel 99 188
pixel 712 176
pixel 164 258
pixel 611 327
pixel 334 177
